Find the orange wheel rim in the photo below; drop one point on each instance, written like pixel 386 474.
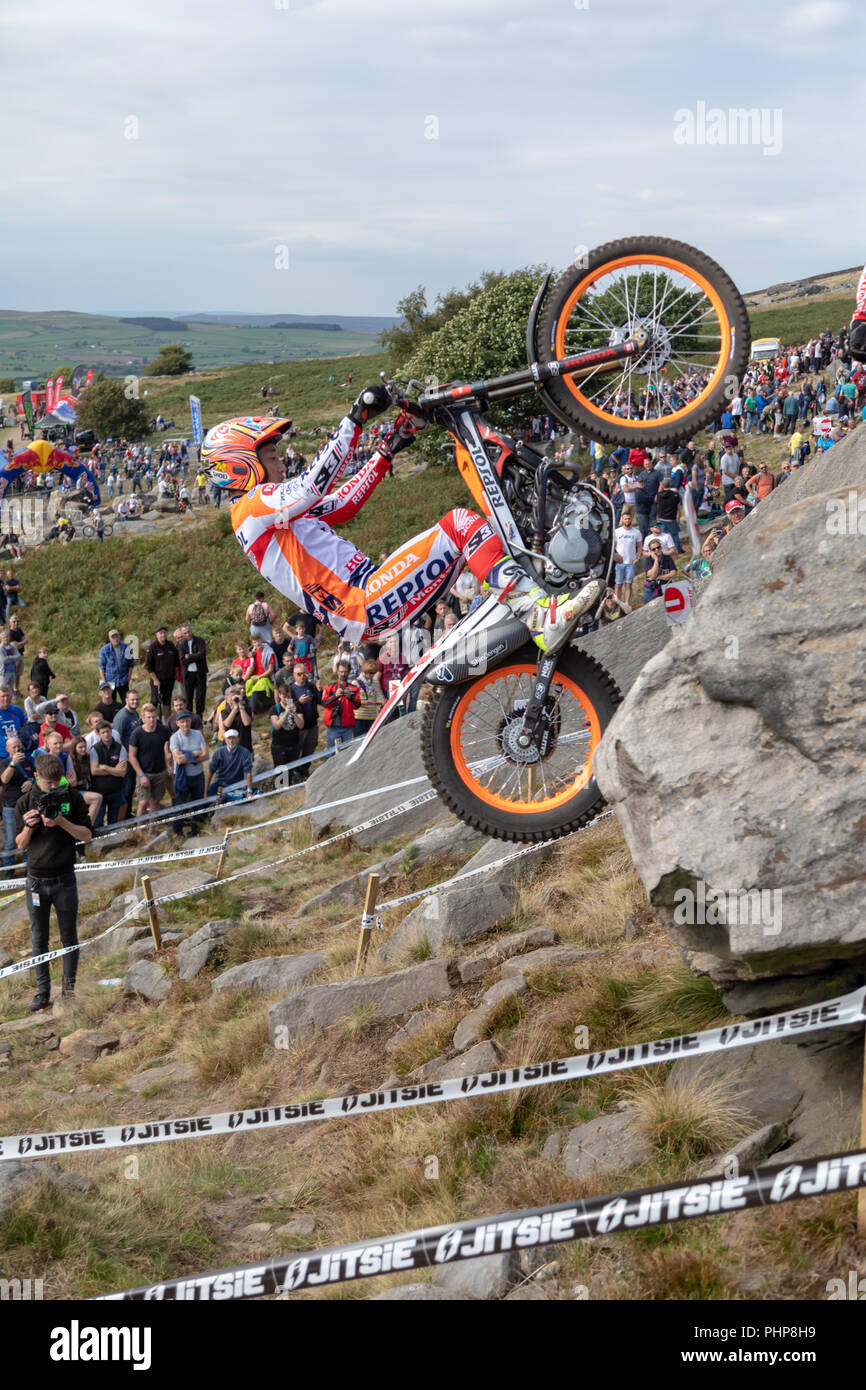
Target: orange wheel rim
pixel 473 739
pixel 639 424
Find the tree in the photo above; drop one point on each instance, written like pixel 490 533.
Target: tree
pixel 7 383
pixel 172 360
pixel 106 409
pixel 418 322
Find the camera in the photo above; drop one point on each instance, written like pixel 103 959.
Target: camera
pixel 51 804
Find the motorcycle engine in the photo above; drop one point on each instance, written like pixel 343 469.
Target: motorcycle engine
pixel 580 540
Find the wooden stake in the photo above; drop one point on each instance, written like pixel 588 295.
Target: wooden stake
pixel 367 923
pixel 151 912
pixel 861 1195
pixel 222 859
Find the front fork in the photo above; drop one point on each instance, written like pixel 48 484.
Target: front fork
pixel 544 672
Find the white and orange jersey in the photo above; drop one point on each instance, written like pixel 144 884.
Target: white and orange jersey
pixel 282 531
pixel 285 531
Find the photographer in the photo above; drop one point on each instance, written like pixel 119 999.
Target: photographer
pixel 50 817
pixel 340 699
pixel 233 712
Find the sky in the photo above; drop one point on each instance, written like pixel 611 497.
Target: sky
pixel 328 156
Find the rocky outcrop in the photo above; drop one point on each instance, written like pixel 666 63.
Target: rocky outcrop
pixel 446 919
pixel 386 996
pixel 267 974
pixel 147 979
pixel 201 948
pixel 737 764
pixel 471 1028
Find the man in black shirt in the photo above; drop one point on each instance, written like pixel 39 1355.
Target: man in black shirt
pixel 667 507
pixel 106 705
pixel 193 660
pixel 161 663
pixel 307 700
pixel 50 817
pixel 150 759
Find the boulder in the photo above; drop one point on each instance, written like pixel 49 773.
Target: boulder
pixel 812 1087
pixel 270 973
pixel 87 1045
pixel 198 950
pixel 482 1058
pixel 16 1177
pixel 449 918
pixel 753 1149
pixel 171 1071
pixel 303 1226
pixel 320 1006
pixel 449 840
pixel 737 763
pixel 605 1145
pixel 490 1276
pixel 539 960
pixel 397 758
pixel 148 979
pixel 143 947
pixel 503 948
pixel 471 1028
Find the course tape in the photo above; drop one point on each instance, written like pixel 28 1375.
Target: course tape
pixel 28 964
pixel 582 1219
pixel 220 883
pixel 327 806
pixel 844 1012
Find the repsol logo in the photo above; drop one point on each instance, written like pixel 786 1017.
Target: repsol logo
pixel 393 572
pixel 412 587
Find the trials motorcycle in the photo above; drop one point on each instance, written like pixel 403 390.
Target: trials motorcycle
pixel 641 343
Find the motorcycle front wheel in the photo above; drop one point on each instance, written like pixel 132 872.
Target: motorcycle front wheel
pixel 473 759
pixel 698 348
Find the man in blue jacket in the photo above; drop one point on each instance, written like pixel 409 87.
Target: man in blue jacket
pixel 115 664
pixel 230 765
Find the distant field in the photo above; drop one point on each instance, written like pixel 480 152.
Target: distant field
pixel 310 393
pixel 33 345
pixel 796 323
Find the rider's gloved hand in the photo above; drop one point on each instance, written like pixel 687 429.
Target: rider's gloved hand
pixel 401 435
pixel 373 401
pixel 857 340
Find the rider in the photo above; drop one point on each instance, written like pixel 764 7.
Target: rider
pixel 857 334
pixel 284 528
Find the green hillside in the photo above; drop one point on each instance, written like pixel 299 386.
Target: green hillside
pixel 797 323
pixel 33 345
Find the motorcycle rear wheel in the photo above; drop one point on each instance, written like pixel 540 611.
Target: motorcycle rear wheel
pixel 471 757
pixel 697 320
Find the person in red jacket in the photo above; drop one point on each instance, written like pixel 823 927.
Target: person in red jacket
pixel 341 698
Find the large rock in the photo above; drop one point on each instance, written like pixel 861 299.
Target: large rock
pixel 491 1276
pixel 482 1058
pixel 198 950
pixel 87 1045
pixel 320 1006
pixel 504 948
pixel 17 1177
pixel 738 761
pixel 604 1145
pixel 395 757
pixel 270 973
pixel 148 979
pixel 449 840
pixel 471 1028
pixel 450 918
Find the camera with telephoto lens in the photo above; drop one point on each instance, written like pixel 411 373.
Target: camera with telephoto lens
pixel 51 804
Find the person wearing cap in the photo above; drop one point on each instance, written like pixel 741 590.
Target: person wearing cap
pixel 734 511
pixel 161 663
pixel 107 706
pixel 65 714
pixel 230 765
pixel 115 664
pixel 51 723
pixel 188 750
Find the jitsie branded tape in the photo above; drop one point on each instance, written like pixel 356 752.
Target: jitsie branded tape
pixel 516 1230
pixel 847 1011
